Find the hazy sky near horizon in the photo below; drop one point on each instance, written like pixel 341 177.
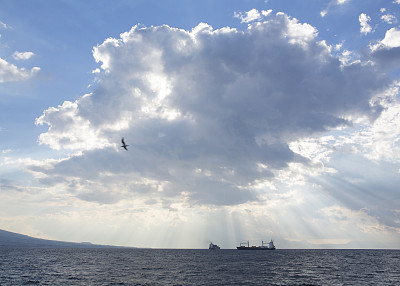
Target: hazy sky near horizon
pixel 245 120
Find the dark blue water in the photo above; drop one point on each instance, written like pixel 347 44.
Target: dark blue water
pixel 46 266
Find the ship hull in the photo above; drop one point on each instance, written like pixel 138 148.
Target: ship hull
pixel 253 248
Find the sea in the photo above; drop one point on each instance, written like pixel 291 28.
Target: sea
pixel 129 266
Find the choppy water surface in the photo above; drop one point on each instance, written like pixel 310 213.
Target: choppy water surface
pixel 47 266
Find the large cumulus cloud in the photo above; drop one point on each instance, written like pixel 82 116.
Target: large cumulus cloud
pixel 207 113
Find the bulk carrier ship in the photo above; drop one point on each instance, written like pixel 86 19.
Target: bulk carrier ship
pixel 243 246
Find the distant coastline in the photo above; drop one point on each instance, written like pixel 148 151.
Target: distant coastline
pixel 11 239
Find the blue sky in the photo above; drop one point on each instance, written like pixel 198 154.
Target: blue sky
pixel 246 120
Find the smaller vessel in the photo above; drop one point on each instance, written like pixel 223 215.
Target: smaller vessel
pixel 243 246
pixel 213 246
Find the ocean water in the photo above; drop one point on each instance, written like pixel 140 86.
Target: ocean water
pixel 51 266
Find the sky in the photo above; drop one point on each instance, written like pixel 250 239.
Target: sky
pixel 246 121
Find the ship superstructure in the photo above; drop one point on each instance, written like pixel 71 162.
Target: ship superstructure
pixel 213 246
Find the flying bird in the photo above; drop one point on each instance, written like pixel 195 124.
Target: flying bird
pixel 123 144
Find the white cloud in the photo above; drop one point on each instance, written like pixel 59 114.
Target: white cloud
pixel 3 25
pixel 387 51
pixel 378 141
pixel 396 1
pixel 202 110
pixel 301 33
pixel 63 132
pixel 381 140
pixel 347 57
pixel 365 27
pixel 331 4
pixel 247 17
pixel 388 18
pixel 252 15
pixel 266 13
pixel 338 47
pixel 10 72
pixel 392 38
pixel 23 55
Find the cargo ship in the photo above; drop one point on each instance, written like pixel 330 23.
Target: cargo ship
pixel 269 246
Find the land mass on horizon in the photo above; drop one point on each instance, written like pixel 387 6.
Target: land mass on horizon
pixel 12 239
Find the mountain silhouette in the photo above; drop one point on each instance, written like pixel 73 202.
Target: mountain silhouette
pixel 12 239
